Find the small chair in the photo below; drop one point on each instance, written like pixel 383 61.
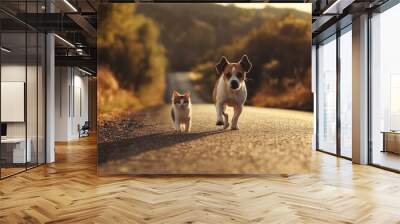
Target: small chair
pixel 84 130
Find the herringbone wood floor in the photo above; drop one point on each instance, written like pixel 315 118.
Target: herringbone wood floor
pixel 69 191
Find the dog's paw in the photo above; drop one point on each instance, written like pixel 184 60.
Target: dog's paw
pixel 220 123
pixel 234 128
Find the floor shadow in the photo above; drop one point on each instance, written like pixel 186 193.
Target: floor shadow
pixel 135 146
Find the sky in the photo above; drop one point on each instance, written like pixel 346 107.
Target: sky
pixel 305 7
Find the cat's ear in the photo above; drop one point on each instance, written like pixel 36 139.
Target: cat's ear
pixel 187 93
pixel 175 93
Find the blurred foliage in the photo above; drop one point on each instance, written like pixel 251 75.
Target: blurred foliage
pixel 192 33
pixel 111 97
pixel 135 41
pixel 129 46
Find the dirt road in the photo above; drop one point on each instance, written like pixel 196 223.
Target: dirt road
pixel 269 140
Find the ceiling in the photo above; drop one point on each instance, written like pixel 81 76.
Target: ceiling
pixel 76 21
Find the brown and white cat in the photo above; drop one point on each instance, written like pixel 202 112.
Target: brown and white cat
pixel 181 111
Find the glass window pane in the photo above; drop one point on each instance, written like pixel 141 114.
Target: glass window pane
pixel 23 87
pixel 31 97
pixel 41 98
pixel 327 96
pixel 385 92
pixel 346 94
pixel 13 86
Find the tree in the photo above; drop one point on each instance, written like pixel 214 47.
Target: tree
pixel 129 45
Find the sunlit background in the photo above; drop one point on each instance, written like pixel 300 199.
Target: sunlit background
pixel 143 47
pixel 305 7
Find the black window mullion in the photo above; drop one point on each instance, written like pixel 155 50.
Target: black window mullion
pixel 26 87
pixel 338 77
pixel 73 92
pixel 45 88
pixel 369 100
pixel 45 94
pixel 317 97
pixel 37 90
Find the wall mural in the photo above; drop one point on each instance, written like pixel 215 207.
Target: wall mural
pixel 204 88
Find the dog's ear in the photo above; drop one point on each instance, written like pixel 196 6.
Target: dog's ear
pixel 221 65
pixel 245 63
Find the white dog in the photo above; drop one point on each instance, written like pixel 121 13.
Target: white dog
pixel 230 89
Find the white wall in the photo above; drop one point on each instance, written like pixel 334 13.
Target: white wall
pixel 80 110
pixel 71 94
pixel 62 81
